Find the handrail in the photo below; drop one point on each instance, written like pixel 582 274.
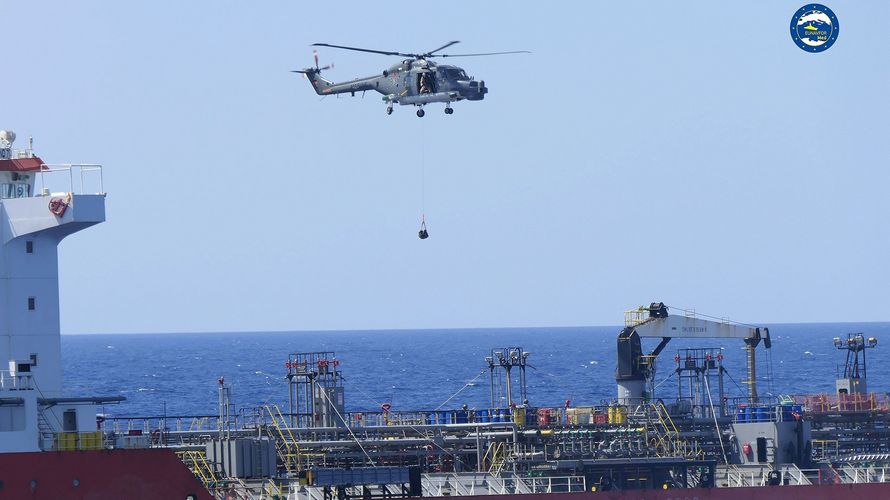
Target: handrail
pixel 289 450
pixel 738 477
pixel 20 381
pixel 70 186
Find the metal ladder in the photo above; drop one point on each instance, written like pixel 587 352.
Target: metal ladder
pixel 286 442
pixel 46 432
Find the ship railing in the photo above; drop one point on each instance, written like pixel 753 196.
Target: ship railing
pixel 740 477
pixel 792 475
pixel 75 178
pixel 855 475
pixel 427 417
pixel 472 484
pixel 195 423
pixel 844 403
pixel 789 474
pixel 635 317
pixel 15 381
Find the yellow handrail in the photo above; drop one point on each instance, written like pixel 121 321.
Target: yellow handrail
pixel 199 465
pixel 288 449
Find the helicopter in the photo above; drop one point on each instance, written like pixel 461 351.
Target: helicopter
pixel 416 80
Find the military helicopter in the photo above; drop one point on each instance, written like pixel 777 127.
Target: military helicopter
pixel 415 81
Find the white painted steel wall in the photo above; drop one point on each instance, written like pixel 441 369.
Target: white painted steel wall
pixel 23 275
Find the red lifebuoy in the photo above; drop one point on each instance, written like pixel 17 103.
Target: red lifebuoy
pixel 58 206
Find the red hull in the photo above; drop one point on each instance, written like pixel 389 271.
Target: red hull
pixel 98 475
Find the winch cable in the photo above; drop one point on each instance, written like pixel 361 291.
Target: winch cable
pixel 741 391
pixel 665 379
pixel 716 425
pixel 769 372
pixel 461 389
pixel 769 355
pixel 415 429
pixel 423 233
pixel 570 397
pixel 346 424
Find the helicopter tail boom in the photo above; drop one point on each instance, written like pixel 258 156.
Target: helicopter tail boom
pixel 327 87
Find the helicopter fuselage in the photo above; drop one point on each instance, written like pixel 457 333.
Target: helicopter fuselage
pixel 412 82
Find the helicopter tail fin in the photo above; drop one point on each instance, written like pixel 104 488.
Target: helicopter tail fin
pixel 318 83
pixel 314 76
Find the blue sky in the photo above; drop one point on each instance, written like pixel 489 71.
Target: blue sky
pixel 688 153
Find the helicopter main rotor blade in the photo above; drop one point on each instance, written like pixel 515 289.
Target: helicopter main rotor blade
pixel 384 52
pixel 449 44
pixel 484 54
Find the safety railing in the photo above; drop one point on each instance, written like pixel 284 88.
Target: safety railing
pixel 466 484
pixel 635 317
pixel 844 403
pixel 790 475
pixel 15 382
pixel 76 178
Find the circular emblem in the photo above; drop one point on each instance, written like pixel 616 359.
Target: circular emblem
pixel 814 27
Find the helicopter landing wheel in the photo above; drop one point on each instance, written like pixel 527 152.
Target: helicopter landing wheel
pixel 448 111
pixel 389 110
pixel 420 113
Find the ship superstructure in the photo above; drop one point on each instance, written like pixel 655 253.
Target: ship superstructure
pixel 34 219
pixel 52 444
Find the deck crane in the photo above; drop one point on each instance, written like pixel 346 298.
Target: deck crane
pixel 636 370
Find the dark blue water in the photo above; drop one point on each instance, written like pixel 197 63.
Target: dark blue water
pixel 422 369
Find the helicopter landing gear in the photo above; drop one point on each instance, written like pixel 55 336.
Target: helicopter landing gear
pixel 420 113
pixel 389 110
pixel 448 109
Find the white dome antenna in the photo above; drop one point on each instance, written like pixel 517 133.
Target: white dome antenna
pixel 6 139
pixel 7 136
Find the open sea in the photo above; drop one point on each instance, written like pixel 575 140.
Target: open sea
pixel 176 374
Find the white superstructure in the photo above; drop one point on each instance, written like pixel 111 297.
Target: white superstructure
pixel 33 221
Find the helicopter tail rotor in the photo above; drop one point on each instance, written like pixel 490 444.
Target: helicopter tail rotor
pixel 323 68
pixel 307 72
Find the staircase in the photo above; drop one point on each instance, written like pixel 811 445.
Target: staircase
pixel 285 441
pixel 46 431
pixel 496 456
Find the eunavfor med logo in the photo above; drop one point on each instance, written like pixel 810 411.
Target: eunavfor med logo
pixel 814 27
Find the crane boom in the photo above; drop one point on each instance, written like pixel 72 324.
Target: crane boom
pixel 635 369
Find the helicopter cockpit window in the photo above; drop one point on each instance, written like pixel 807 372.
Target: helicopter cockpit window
pixel 456 74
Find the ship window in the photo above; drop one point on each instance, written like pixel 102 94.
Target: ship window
pixel 32 303
pixel 33 359
pixel 15 190
pixel 29 246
